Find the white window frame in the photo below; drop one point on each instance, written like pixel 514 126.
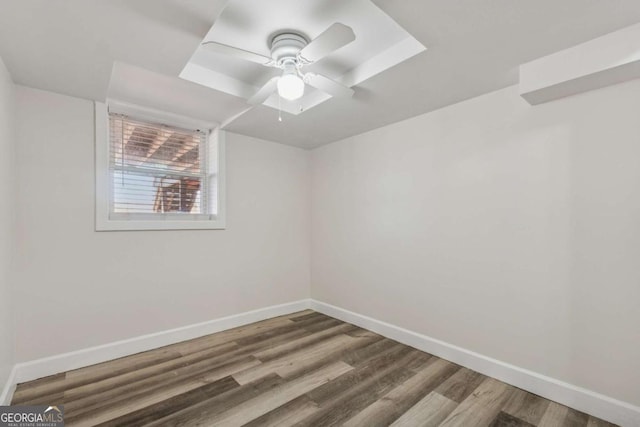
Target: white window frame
pixel 103 178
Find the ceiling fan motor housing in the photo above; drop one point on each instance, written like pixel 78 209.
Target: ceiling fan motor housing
pixel 285 47
pixel 290 51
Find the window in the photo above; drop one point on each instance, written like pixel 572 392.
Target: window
pixel 156 169
pixel 156 173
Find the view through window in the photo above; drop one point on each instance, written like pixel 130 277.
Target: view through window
pixel 157 169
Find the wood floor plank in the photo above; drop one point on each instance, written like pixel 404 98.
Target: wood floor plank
pixel 554 415
pixel 297 344
pixel 292 327
pixel 596 422
pixel 353 400
pixel 302 313
pixel 298 367
pixel 356 357
pixel 461 384
pixel 576 418
pixel 281 324
pixel 39 387
pixel 115 403
pixel 321 325
pixel 78 377
pixel 189 365
pixel 505 420
pixel 52 399
pixel 482 406
pixel 305 369
pixel 286 415
pixel 420 361
pixel 119 366
pixel 428 412
pixel 267 401
pixel 311 315
pixel 345 403
pixel 400 399
pixel 174 404
pixel 526 406
pixel 314 320
pixel 360 332
pixel 376 366
pixel 221 403
pixel 300 360
pixel 205 359
pixel 264 343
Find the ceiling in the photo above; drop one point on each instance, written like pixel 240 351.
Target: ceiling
pixel 474 47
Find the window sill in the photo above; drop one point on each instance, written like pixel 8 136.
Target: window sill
pixel 113 225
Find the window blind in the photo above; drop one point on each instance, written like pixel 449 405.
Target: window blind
pixel 157 170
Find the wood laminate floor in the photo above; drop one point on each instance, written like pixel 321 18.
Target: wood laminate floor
pixel 303 369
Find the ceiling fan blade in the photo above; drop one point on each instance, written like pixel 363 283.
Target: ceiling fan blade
pixel 238 53
pixel 327 85
pixel 265 92
pixel 332 39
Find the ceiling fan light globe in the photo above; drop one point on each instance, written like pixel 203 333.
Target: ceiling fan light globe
pixel 290 87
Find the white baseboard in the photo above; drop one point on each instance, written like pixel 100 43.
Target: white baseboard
pixel 9 387
pixel 39 368
pixel 609 409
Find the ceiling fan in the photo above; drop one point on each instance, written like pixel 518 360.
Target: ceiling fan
pixel 290 52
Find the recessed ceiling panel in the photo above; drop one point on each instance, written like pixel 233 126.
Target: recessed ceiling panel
pixel 251 25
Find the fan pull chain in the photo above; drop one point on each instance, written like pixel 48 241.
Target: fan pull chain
pixel 279 108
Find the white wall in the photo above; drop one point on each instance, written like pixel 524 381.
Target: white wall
pixel 79 288
pixel 7 212
pixel 506 229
